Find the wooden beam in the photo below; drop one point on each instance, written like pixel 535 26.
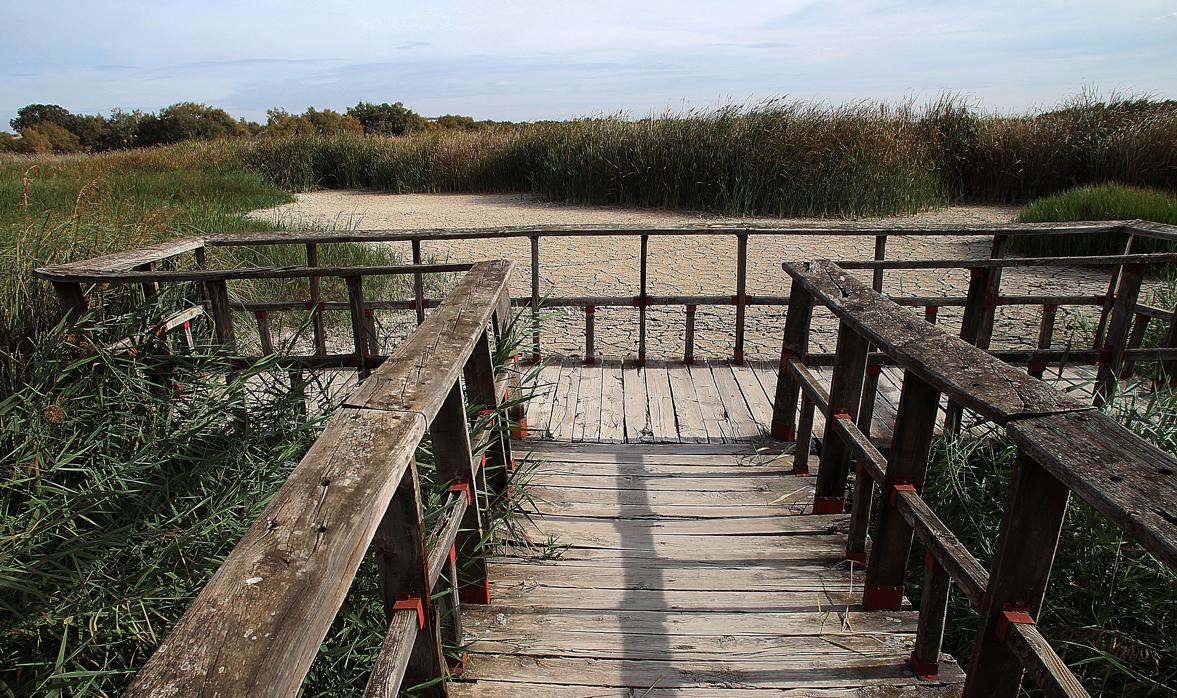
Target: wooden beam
pixel 845 395
pixel 794 347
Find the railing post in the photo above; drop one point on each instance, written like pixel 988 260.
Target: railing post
pixel 880 255
pixel 845 394
pixel 402 559
pixel 929 636
pixel 535 348
pixel 222 316
pixel 315 285
pixel 907 464
pixel 976 326
pixel 930 313
pixel 794 346
pixel 453 457
pixel 1135 339
pixel 688 356
pixel 359 324
pixel 590 356
pixel 1033 519
pixel 1109 298
pixel 265 337
pixel 482 388
pixel 1169 366
pixel 804 436
pixel 150 288
pixel 741 295
pixel 418 283
pixel 642 300
pixel 1045 338
pixel 1111 357
pixel 72 299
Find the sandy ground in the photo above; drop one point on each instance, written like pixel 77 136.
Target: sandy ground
pixel 681 265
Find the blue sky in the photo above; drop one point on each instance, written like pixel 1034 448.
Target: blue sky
pixel 533 60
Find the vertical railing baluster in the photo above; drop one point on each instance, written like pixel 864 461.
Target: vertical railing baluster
pixel 359 324
pixel 1168 370
pixel 1037 367
pixel 265 337
pixel 402 560
pixel 314 284
pixel 929 636
pixel 535 344
pixel 845 394
pixel 222 316
pixel 976 326
pixel 418 283
pixel 794 346
pixel 741 295
pixel 880 255
pixel 1116 336
pixel 1135 339
pixel 642 301
pixel 453 457
pixel 907 463
pixel 1035 509
pixel 688 356
pixel 72 299
pixel 864 485
pixel 1109 298
pixel 930 313
pixel 804 436
pixel 482 390
pixel 590 356
pixel 150 288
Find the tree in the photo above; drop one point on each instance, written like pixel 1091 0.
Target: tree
pixel 388 119
pixel 48 137
pixel 456 122
pixel 34 114
pixel 188 120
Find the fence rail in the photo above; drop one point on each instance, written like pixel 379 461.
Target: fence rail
pixel 1063 445
pixel 257 625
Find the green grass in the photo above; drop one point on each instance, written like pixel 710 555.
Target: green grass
pixel 1103 202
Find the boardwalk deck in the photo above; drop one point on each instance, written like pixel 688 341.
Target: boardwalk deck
pixel 693 569
pixel 708 402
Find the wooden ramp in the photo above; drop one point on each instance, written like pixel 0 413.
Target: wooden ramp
pixel 681 569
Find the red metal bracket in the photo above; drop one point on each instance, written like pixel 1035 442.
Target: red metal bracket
pixel 858 558
pixel 874 369
pixel 878 598
pixel 924 671
pixel 453 553
pixel 483 413
pixel 411 602
pixel 691 307
pixel 829 505
pixel 261 314
pixel 466 487
pixel 738 357
pixel 931 564
pixel 1011 613
pixel 520 430
pixel 900 486
pixel 368 312
pixel 457 665
pixel 590 309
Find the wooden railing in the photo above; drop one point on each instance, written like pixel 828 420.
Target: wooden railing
pixel 142 266
pixel 1063 446
pixel 257 625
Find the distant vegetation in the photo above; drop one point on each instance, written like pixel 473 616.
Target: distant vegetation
pixel 1102 202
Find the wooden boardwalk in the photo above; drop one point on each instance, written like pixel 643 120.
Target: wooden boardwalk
pixel 708 402
pixel 689 569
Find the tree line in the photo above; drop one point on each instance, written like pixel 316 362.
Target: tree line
pixel 50 128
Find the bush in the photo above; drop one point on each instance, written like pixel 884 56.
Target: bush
pixel 1104 202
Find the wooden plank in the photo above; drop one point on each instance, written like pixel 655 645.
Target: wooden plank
pixel 801 673
pixel 833 622
pixel 288 575
pixel 691 488
pixel 744 426
pixel 636 499
pixel 711 410
pixel 1128 480
pixel 691 425
pixel 799 576
pixel 125 260
pixel 587 422
pixel 539 408
pixel 702 550
pixel 418 375
pixel 660 469
pixel 488 688
pixel 755 396
pixel 612 403
pixel 564 403
pixel 661 403
pixel 599 530
pixel 649 450
pixel 516 597
pixel 980 382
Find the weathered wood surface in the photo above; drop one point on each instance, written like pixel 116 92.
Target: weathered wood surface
pixel 1000 262
pixel 242 273
pixel 419 375
pixel 123 261
pixel 287 577
pixel 977 380
pixel 679 566
pixel 1131 482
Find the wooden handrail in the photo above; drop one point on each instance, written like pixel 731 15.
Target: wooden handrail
pixel 1063 447
pixel 257 625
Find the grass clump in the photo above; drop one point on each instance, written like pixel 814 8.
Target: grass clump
pixel 1102 202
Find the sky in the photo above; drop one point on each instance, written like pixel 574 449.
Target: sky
pixel 530 60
